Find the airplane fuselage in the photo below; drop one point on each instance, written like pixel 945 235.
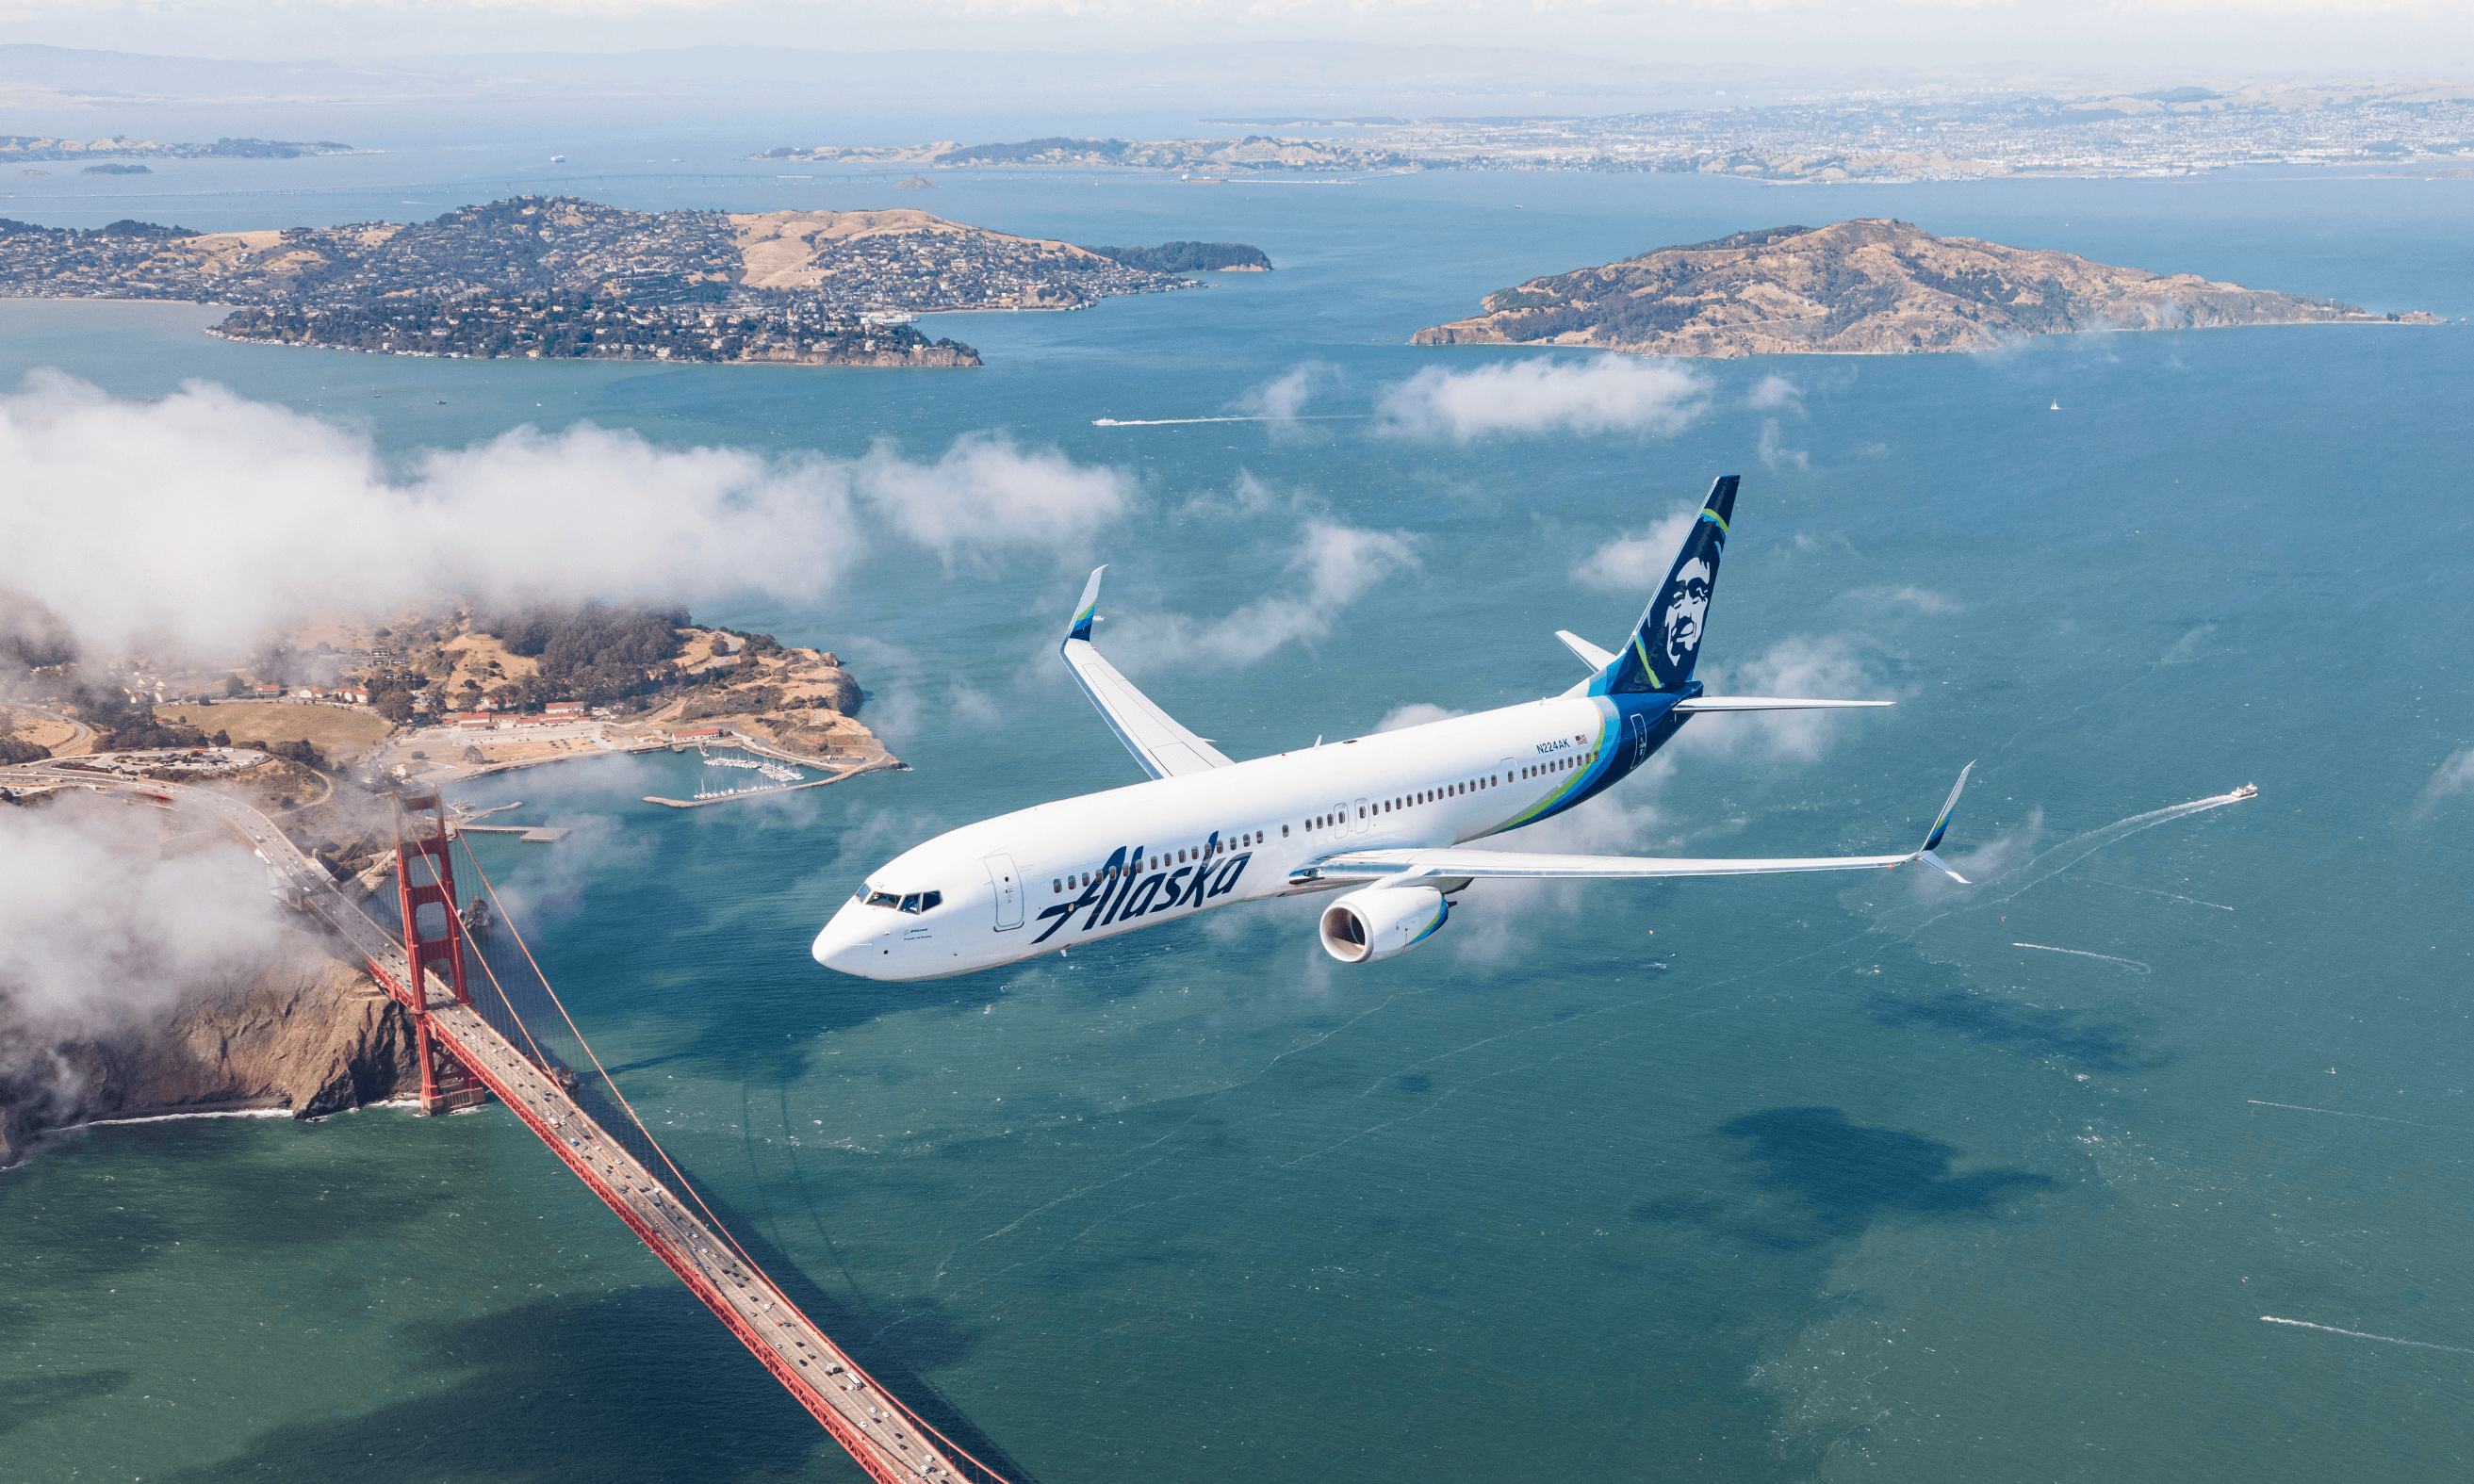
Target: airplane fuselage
pixel 1059 874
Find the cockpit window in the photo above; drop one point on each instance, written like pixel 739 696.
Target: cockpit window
pixel 920 900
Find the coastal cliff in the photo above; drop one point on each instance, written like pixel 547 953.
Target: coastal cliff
pixel 311 1033
pixel 1867 287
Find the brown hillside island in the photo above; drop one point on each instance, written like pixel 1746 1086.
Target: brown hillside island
pixel 541 278
pixel 1868 287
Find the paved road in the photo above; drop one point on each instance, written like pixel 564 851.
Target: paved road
pixel 284 861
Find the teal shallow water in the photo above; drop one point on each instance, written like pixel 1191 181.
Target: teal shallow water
pixel 1767 1180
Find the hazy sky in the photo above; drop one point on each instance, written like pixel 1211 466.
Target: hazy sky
pixel 2420 38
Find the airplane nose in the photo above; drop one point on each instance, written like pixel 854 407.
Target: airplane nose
pixel 846 945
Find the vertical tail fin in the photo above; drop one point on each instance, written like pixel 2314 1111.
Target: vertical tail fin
pixel 1667 643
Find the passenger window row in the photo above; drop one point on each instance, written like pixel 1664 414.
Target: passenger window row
pixel 1165 860
pixel 1405 800
pixel 1437 794
pixel 1559 765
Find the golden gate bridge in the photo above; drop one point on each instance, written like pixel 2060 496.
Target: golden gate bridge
pixel 486 1024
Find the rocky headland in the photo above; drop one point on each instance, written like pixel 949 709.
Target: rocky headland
pixel 291 1021
pixel 1866 287
pixel 310 1034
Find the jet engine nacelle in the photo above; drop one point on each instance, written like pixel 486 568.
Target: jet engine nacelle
pixel 1381 922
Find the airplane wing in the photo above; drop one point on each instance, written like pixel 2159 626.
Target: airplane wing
pixel 1164 749
pixel 1405 867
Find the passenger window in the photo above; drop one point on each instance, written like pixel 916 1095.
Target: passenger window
pixel 1055 885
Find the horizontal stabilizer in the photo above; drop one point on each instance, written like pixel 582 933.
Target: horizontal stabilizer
pixel 1594 658
pixel 1767 704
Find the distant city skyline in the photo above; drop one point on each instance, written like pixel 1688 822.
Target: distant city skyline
pixel 1980 39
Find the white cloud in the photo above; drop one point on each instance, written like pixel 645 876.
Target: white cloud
pixel 1831 668
pixel 1923 600
pixel 2455 777
pixel 1416 713
pixel 1774 391
pixel 1638 564
pixel 101 930
pixel 1604 393
pixel 202 519
pixel 1284 397
pixel 986 496
pixel 1336 564
pixel 1774 450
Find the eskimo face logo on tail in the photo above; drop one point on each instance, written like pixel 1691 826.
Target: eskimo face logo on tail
pixel 1687 602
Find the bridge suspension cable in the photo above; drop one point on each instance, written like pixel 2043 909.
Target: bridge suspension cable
pixel 654 1144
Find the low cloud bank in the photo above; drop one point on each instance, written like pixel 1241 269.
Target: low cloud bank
pixel 1638 564
pixel 986 496
pixel 1335 565
pixel 101 931
pixel 1604 393
pixel 200 520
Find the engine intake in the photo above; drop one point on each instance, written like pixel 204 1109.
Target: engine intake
pixel 1381 922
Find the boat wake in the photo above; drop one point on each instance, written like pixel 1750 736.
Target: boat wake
pixel 2048 947
pixel 2384 1339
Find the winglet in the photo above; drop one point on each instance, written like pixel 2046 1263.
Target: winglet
pixel 1081 629
pixel 1941 826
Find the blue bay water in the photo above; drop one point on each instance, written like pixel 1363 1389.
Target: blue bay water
pixel 1764 1179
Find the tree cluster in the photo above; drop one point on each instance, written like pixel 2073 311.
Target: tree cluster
pixel 591 653
pixel 1182 257
pixel 122 724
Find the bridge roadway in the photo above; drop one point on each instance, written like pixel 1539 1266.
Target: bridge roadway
pixel 833 1389
pixel 875 1429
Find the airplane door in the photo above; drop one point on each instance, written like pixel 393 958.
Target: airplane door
pixel 1005 880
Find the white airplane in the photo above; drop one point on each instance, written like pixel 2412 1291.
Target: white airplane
pixel 1389 815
